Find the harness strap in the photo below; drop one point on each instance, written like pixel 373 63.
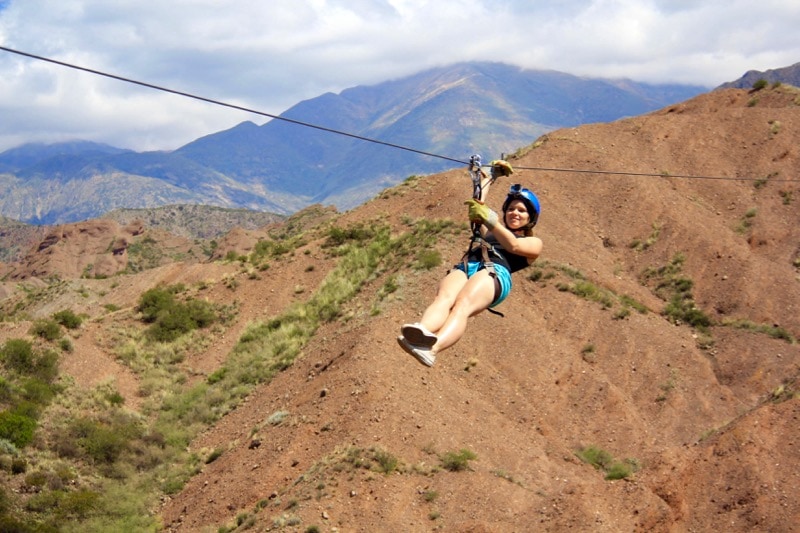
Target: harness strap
pixel 487 263
pixel 478 176
pixel 486 249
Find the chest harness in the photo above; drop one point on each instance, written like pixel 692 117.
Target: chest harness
pixel 477 241
pixel 479 247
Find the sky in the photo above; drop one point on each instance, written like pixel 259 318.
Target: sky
pixel 268 55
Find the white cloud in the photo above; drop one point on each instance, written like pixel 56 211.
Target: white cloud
pixel 271 55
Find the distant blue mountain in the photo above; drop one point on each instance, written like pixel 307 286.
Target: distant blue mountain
pixel 30 155
pixel 280 166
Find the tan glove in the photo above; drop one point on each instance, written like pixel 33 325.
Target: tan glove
pixel 501 167
pixel 480 212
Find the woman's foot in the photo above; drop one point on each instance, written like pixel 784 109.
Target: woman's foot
pixel 420 353
pixel 418 335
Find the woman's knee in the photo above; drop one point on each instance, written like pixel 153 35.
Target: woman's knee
pixel 476 295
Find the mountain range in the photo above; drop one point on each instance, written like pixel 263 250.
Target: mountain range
pixel 282 166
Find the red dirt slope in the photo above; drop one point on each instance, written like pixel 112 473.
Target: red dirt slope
pixel 717 450
pixel 710 419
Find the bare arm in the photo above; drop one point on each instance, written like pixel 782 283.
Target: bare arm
pixel 529 247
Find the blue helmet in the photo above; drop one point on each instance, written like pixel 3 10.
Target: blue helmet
pixel 518 192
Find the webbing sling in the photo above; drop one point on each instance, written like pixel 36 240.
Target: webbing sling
pixel 478 176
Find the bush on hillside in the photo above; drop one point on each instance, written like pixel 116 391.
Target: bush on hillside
pixel 17 428
pixel 17 355
pixel 46 329
pixel 171 318
pixel 153 302
pixel 68 319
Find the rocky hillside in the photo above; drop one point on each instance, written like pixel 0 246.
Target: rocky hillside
pixel 644 377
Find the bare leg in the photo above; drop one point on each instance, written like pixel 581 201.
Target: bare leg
pixel 474 296
pixel 437 312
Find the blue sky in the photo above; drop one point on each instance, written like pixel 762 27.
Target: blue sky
pixel 269 55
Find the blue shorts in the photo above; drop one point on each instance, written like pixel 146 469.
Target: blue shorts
pixel 503 276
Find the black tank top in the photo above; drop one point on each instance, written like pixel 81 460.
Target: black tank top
pixel 511 261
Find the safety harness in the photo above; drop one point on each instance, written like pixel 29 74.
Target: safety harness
pixel 479 181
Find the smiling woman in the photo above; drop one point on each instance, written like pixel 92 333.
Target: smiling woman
pixel 483 280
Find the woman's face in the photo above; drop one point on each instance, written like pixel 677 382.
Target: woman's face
pixel 517 215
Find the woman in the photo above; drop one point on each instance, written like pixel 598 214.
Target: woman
pixel 466 292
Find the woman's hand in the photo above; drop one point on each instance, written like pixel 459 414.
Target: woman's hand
pixel 480 212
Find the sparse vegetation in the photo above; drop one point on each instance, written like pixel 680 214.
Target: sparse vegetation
pixel 788 390
pixel 148 454
pixel 676 289
pixel 579 285
pixel 144 254
pixel 747 221
pixel 602 460
pixel 775 126
pixel 127 462
pixel 668 386
pixel 457 461
pixel 641 245
pixel 430 496
pixel 774 331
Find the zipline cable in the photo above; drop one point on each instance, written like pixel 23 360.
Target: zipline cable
pixel 360 137
pixel 225 104
pixel 650 174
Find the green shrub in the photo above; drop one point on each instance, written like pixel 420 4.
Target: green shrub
pixel 79 504
pixel 44 502
pixel 596 457
pixel 181 318
pixel 45 366
pixel 154 302
pixel 10 524
pixel 201 313
pixel 760 84
pixel 171 318
pixel 47 329
pixel 602 460
pixel 357 232
pixel 457 461
pixel 37 391
pixel 681 309
pixel 676 290
pixel 619 471
pixel 171 324
pixel 17 354
pixel 68 319
pixel 104 442
pixel 6 390
pixel 17 428
pixel 428 259
pixel 387 463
